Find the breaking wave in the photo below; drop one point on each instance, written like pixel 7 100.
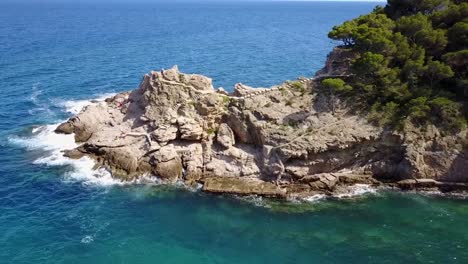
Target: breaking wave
pixel 44 139
pixel 353 191
pixel 356 190
pixel 75 106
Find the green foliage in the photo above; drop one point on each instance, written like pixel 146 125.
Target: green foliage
pixel 418 29
pixel 226 100
pixel 336 84
pixel 448 113
pixel 457 59
pixel 419 110
pixel 283 91
pixel 411 62
pixel 297 85
pixel 458 35
pixel 211 130
pixel 436 71
pixel 398 8
pixel 445 18
pixel 384 115
pixel 369 64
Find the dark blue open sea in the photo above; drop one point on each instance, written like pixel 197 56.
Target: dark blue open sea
pixel 55 57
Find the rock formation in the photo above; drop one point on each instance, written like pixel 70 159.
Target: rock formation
pixel 288 140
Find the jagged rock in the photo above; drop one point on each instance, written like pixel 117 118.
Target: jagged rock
pixel 225 136
pixel 199 82
pixel 338 62
pixel 73 153
pixel 164 134
pixel 123 163
pixel 233 162
pixel 192 158
pixel 300 139
pixel 190 129
pixel 222 91
pixel 65 128
pixel 172 74
pixel 323 181
pixel 167 164
pixel 235 120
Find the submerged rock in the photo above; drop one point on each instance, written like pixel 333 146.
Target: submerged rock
pixel 288 140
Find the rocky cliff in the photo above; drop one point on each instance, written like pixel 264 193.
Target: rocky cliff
pixel 288 140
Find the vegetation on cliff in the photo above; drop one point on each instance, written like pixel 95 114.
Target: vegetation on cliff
pixel 410 62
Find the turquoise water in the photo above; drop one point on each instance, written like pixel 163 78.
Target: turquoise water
pixel 54 57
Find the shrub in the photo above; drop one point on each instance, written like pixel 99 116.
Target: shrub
pixel 336 84
pixel 297 85
pixel 448 113
pixel 409 62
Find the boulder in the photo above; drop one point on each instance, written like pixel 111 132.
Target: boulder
pixel 73 153
pixel 122 162
pixel 164 133
pixel 323 181
pixel 199 82
pixel 167 164
pixel 225 136
pixel 189 129
pixel 65 128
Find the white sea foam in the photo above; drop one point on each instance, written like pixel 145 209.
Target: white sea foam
pixel 87 239
pixel 254 200
pixel 35 92
pixel 345 192
pixel 314 198
pixel 356 190
pixel 44 138
pixel 75 106
pixel 40 106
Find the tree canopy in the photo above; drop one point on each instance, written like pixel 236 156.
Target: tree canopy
pixel 411 62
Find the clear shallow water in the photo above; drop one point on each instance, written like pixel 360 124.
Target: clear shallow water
pixel 53 56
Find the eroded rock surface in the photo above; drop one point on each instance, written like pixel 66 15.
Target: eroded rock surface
pixel 288 140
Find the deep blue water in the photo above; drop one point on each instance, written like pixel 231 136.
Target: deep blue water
pixel 57 211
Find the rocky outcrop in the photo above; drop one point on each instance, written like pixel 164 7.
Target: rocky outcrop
pixel 288 140
pixel 338 63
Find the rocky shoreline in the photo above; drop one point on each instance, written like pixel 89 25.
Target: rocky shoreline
pixel 291 140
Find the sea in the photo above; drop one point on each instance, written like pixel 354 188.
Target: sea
pixel 57 57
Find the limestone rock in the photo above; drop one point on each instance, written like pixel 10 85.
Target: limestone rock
pixel 167 164
pixel 323 181
pixel 73 153
pixel 410 184
pixel 199 82
pixel 124 163
pixel 225 136
pixel 165 133
pixel 189 129
pixel 292 135
pixel 65 128
pixel 242 186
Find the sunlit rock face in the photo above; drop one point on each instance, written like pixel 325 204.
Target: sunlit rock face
pixel 288 140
